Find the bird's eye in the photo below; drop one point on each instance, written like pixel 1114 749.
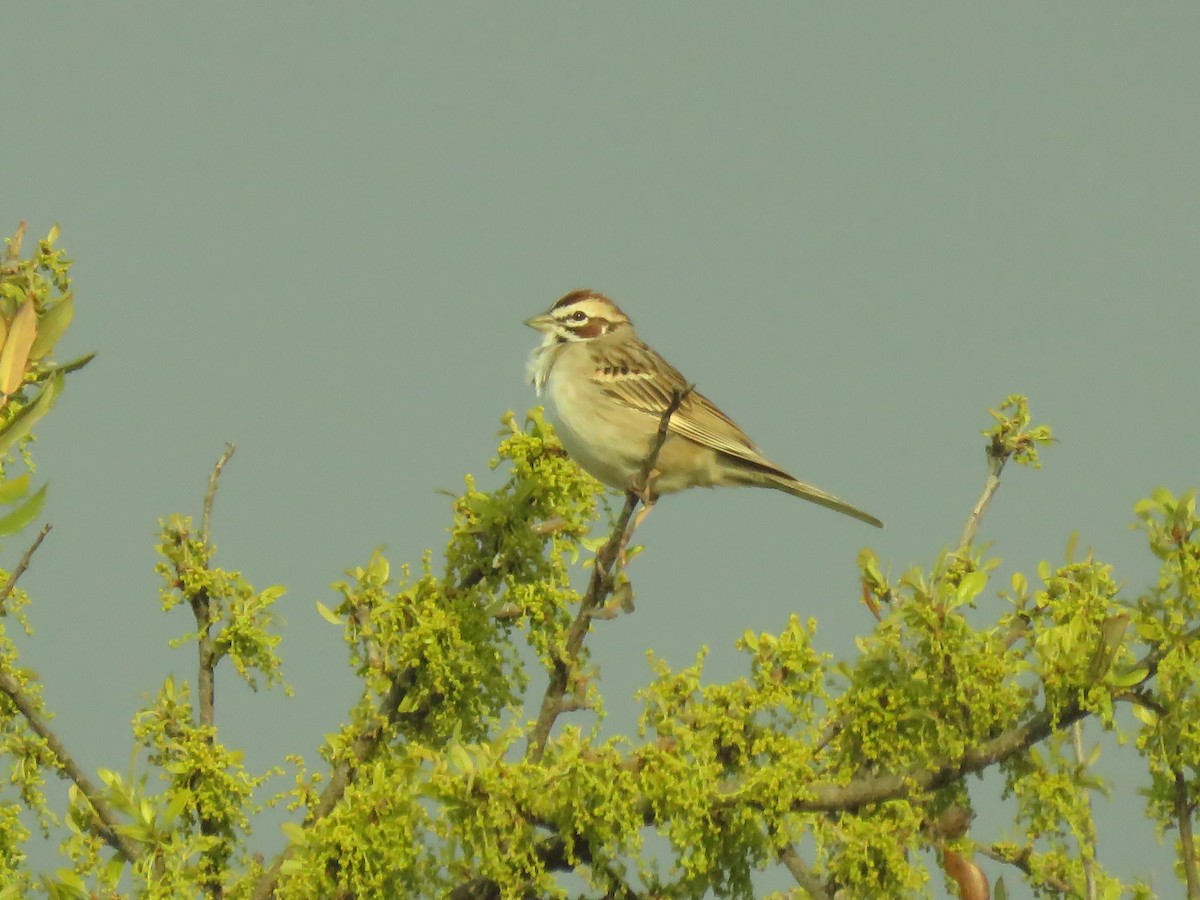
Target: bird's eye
pixel 578 316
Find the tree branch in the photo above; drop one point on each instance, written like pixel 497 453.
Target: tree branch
pixel 599 588
pixel 806 879
pixel 1087 851
pixel 836 798
pixel 211 494
pixel 1187 845
pixel 997 456
pixel 861 792
pixel 202 607
pixel 107 824
pixel 201 603
pixel 342 774
pixel 1021 861
pixel 22 565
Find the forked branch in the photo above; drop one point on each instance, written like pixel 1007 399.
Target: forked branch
pixel 201 604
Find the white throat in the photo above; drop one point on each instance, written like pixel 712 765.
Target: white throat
pixel 541 361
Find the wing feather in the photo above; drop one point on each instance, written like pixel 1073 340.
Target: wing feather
pixel 635 376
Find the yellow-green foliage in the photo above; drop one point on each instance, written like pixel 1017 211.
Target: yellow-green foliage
pixel 854 773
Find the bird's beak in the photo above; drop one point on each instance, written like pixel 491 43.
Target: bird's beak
pixel 544 322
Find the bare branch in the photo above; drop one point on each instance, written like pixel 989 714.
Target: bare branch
pixel 107 824
pixel 599 588
pixel 1187 845
pixel 996 457
pixel 1087 842
pixel 211 495
pixel 22 565
pixel 806 879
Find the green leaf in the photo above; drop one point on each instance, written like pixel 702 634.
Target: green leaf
pixel 23 514
pixel 378 569
pixel 1145 715
pixel 1112 633
pixel 14 488
pixel 113 869
pixel 1129 678
pixel 295 833
pixel 1143 509
pixel 69 879
pixel 1072 543
pixel 460 759
pixel 53 326
pixel 329 615
pixel 970 587
pixel 24 421
pixel 175 808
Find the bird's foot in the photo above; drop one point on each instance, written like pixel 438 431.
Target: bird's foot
pixel 644 490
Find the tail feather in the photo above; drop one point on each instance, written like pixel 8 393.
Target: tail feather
pixel 816 495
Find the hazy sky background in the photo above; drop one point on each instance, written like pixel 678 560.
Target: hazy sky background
pixel 315 231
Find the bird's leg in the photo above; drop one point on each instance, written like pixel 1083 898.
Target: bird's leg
pixel 649 496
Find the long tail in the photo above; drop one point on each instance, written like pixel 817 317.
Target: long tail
pixel 816 495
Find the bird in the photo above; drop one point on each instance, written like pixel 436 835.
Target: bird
pixel 608 390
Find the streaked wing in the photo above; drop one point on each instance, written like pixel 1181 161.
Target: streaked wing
pixel 635 376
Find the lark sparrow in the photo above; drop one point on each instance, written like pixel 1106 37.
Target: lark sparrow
pixel 608 391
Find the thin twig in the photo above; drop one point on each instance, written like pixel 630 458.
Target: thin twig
pixel 1187 845
pixel 202 607
pixel 22 565
pixel 599 588
pixel 210 496
pixel 1087 851
pixel 66 368
pixel 107 824
pixel 997 457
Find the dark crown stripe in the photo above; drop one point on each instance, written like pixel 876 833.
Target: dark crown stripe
pixel 576 296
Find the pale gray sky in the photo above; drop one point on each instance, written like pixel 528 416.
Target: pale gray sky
pixel 315 231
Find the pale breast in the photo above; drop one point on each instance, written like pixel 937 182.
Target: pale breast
pixel 594 430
